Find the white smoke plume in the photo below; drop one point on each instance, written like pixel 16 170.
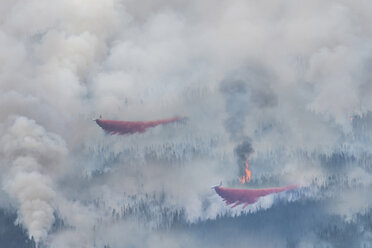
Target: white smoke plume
pixel 31 159
pixel 292 76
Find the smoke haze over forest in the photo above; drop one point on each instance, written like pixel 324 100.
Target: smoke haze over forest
pixel 285 85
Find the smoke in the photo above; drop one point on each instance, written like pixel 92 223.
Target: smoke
pixel 249 94
pixel 31 158
pixel 283 78
pixel 36 203
pixel 242 152
pixel 237 105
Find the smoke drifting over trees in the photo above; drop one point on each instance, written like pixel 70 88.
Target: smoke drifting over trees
pixel 284 84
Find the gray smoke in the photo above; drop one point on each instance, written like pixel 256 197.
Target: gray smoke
pixel 242 99
pixel 242 152
pixel 31 160
pixel 281 77
pixel 237 107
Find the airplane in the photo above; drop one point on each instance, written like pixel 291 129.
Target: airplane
pixel 130 127
pixel 247 196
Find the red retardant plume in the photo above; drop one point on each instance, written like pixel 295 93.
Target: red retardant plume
pixel 247 196
pixel 130 127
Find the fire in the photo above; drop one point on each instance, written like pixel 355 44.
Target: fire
pixel 247 177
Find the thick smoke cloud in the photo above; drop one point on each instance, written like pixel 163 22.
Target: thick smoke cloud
pixel 31 159
pixel 287 79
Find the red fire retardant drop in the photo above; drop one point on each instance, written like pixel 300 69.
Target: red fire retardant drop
pixel 130 127
pixel 247 196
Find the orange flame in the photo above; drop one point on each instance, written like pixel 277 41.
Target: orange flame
pixel 247 177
